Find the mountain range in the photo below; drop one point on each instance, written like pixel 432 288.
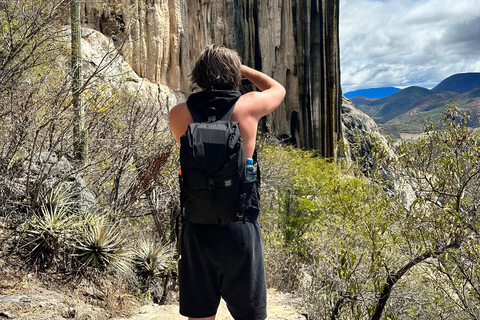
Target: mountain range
pixel 406 111
pixel 372 93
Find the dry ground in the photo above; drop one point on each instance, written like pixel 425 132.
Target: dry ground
pixel 26 293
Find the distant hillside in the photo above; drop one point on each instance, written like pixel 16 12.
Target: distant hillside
pixel 373 93
pixel 475 93
pixel 382 110
pixel 399 103
pixel 362 100
pixel 429 110
pixel 461 83
pixel 407 110
pixel 365 103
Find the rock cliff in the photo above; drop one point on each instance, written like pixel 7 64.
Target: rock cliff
pixel 294 41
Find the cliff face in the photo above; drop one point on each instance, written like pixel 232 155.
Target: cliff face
pixel 294 41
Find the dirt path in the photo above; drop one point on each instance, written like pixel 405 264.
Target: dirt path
pixel 279 308
pixel 38 303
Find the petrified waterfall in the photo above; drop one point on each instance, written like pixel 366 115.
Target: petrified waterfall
pixel 294 41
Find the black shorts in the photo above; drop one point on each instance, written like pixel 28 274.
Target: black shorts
pixel 222 261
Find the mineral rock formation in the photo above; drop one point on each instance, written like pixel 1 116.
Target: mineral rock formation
pixel 294 41
pixel 360 132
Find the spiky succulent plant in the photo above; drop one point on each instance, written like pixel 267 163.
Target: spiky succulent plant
pixel 151 259
pixel 102 246
pixel 51 226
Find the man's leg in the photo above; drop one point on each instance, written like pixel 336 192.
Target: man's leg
pixel 197 276
pixel 244 287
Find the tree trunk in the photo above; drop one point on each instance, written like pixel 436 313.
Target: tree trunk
pixel 79 132
pixel 394 277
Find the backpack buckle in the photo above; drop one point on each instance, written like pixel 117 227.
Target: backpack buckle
pixel 211 183
pixel 212 114
pixel 241 214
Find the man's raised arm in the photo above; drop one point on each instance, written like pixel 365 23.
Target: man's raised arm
pixel 271 92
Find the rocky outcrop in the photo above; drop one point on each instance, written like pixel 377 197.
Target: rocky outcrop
pixel 47 171
pixel 360 133
pixel 294 41
pixel 360 137
pixel 44 304
pixel 53 171
pixel 99 53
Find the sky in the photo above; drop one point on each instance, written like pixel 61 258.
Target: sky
pixel 401 43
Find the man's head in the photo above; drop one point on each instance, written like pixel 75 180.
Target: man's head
pixel 217 67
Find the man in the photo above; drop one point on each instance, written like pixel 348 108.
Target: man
pixel 225 261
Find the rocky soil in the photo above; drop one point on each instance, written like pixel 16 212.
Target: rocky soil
pixel 39 303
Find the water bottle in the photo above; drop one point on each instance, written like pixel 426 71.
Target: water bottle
pixel 250 171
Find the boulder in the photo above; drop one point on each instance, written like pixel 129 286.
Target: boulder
pixel 360 133
pixel 50 170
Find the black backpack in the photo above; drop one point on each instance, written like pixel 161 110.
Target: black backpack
pixel 212 164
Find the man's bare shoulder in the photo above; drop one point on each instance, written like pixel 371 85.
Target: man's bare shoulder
pixel 249 100
pixel 179 118
pixel 178 109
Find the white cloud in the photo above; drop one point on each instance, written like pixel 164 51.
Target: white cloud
pixel 407 42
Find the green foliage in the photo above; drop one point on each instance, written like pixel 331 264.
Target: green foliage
pixel 29 38
pixel 443 167
pixel 358 248
pixel 326 223
pixel 55 231
pixel 131 167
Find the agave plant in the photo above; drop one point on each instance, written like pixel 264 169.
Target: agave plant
pixel 58 196
pixel 151 259
pixel 51 226
pixel 102 246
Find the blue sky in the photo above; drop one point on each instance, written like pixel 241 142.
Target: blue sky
pixel 401 43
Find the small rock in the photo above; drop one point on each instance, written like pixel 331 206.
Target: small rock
pixel 7 314
pixel 94 293
pixel 24 301
pixel 49 317
pixel 69 313
pixel 85 316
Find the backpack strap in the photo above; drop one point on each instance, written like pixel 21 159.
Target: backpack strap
pixel 228 114
pixel 196 114
pixel 254 158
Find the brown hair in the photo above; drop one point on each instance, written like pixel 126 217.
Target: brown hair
pixel 217 67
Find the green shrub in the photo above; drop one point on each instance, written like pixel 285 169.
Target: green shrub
pixel 355 248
